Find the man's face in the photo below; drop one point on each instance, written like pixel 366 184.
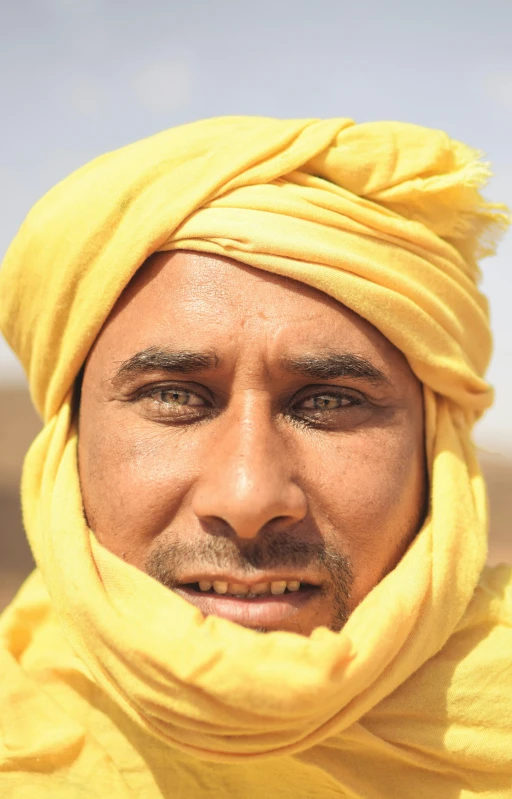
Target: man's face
pixel 251 443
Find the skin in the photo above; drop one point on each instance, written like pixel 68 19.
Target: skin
pixel 292 448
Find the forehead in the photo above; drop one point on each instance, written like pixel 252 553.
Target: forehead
pixel 202 283
pixel 194 300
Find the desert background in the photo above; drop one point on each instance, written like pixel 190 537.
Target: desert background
pixel 19 424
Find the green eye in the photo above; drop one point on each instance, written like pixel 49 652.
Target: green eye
pixel 326 402
pixel 178 397
pixel 172 404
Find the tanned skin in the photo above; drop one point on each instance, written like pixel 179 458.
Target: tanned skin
pixel 239 427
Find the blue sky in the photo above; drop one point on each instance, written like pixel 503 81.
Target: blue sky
pixel 80 77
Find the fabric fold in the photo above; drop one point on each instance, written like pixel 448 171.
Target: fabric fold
pixel 384 217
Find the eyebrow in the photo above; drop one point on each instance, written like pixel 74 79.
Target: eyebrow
pixel 334 365
pixel 154 359
pixel 326 366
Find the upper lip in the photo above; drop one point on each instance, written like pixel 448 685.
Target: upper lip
pixel 255 579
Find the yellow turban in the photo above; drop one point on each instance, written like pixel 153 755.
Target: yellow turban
pixel 414 696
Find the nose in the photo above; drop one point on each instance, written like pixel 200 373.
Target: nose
pixel 247 480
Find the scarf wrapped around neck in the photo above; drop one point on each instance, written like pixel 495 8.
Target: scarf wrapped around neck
pixel 388 219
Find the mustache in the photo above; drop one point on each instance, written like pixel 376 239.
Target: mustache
pixel 268 551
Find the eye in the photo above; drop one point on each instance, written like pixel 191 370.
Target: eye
pixel 172 403
pixel 328 402
pixel 178 396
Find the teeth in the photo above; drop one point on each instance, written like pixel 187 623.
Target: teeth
pixel 260 588
pixel 238 588
pixel 275 587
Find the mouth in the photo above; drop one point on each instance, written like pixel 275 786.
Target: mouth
pixel 269 604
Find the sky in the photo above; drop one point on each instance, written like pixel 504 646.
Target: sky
pixel 81 77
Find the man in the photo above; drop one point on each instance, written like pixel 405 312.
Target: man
pixel 259 524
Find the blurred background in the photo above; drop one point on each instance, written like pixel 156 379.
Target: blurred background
pixel 80 77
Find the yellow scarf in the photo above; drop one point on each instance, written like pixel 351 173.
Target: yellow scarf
pixel 102 663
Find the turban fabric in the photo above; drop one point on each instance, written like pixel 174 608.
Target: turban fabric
pixel 106 675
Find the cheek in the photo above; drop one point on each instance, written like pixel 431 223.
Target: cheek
pixel 370 492
pixel 134 479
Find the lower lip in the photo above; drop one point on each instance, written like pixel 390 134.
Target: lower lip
pixel 270 611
